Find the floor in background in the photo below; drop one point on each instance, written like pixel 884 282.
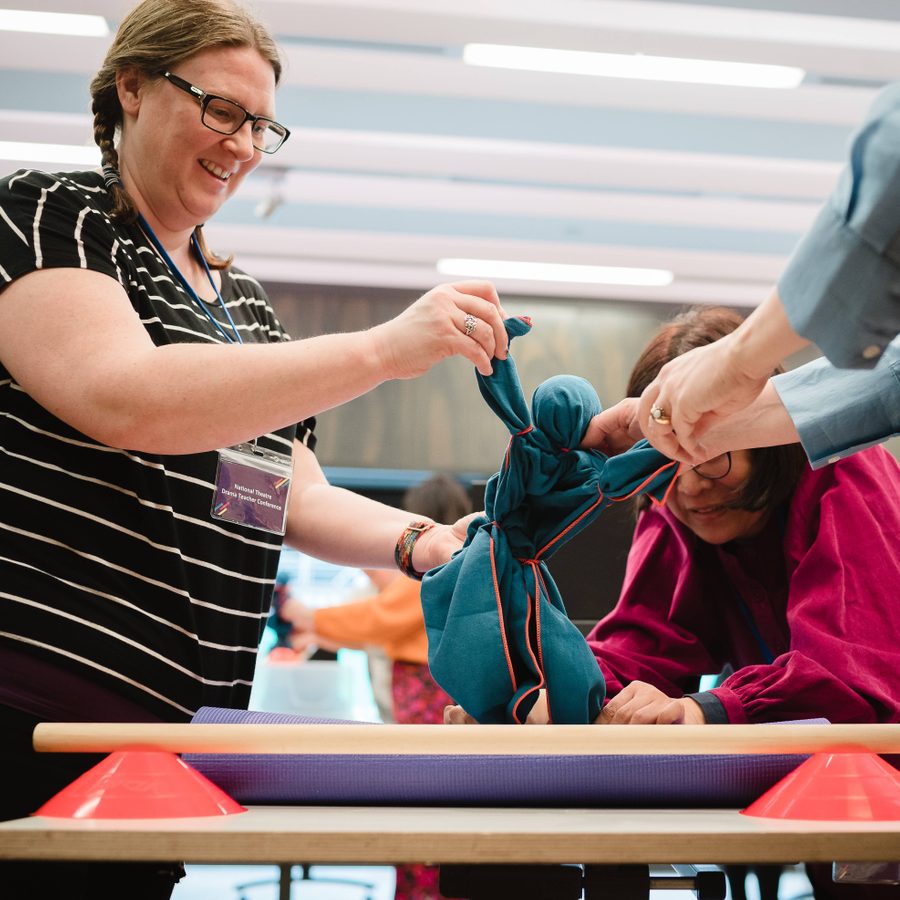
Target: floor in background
pixel 222 882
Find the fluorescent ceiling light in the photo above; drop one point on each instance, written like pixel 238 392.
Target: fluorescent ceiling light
pixel 532 271
pixel 50 153
pixel 53 23
pixel 618 65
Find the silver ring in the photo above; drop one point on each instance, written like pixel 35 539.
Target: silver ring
pixel 471 324
pixel 660 416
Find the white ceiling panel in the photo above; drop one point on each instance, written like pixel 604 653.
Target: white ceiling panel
pixel 402 153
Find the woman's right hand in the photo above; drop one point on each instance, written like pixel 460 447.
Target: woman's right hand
pixel 456 715
pixel 434 327
pixel 696 391
pixel 539 714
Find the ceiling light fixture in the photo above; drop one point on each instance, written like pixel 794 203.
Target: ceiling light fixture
pixel 532 271
pixel 50 153
pixel 53 23
pixel 636 65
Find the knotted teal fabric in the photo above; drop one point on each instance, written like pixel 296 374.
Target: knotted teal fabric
pixel 497 628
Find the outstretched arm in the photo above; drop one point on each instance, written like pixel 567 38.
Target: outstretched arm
pixel 348 529
pixel 72 340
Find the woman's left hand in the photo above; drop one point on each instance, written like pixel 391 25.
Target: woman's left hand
pixel 639 703
pixel 438 544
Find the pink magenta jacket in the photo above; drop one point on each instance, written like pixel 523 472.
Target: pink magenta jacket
pixel 822 582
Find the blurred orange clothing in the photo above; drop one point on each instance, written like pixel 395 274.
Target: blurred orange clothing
pixel 392 620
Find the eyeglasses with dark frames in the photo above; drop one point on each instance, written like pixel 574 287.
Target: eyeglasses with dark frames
pixel 715 468
pixel 227 117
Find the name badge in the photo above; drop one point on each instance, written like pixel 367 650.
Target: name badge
pixel 252 487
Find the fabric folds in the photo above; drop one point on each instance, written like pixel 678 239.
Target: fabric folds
pixel 497 627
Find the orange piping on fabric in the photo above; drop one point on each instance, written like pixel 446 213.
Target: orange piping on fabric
pixel 571 525
pixel 509 444
pixel 509 665
pixel 540 578
pixel 650 478
pixel 532 601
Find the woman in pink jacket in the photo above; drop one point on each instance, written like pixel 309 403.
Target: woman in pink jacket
pixel 786 575
pixel 759 566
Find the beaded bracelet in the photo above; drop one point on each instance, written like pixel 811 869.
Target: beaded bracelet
pixel 404 550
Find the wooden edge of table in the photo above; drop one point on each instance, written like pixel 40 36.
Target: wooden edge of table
pixel 389 835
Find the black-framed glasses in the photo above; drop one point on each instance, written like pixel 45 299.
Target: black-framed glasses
pixel 227 117
pixel 715 468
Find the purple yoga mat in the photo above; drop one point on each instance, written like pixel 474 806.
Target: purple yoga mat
pixel 385 780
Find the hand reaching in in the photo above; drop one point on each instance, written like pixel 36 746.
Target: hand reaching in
pixel 615 429
pixel 692 393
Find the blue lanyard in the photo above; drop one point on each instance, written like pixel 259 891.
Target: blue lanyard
pixel 145 226
pixel 767 654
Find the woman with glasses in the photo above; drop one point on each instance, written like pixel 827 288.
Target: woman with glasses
pixel 156 422
pixel 758 563
pixel 780 577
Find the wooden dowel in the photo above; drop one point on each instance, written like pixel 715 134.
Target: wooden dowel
pixel 492 740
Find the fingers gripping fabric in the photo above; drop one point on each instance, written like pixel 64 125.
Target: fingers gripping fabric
pixel 497 627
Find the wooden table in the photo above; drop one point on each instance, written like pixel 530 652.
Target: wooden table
pixel 389 835
pixel 607 842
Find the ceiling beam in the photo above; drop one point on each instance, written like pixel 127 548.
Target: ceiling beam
pixel 835 46
pixel 446 195
pixel 485 159
pixel 345 246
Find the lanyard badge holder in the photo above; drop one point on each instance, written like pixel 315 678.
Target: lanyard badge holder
pixel 252 483
pixel 252 487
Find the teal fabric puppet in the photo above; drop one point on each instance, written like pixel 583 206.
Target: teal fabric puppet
pixel 497 628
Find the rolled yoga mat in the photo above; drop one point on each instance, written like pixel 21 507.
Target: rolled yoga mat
pixel 720 780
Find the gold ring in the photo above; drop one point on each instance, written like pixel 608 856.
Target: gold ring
pixel 660 416
pixel 471 324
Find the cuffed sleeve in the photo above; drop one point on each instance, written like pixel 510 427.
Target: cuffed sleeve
pixel 713 709
pixel 841 411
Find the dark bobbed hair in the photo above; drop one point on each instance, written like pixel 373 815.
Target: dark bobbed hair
pixel 774 471
pixel 154 37
pixel 440 497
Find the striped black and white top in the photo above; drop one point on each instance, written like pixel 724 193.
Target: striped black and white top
pixel 111 567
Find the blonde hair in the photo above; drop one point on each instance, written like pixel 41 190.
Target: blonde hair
pixel 153 38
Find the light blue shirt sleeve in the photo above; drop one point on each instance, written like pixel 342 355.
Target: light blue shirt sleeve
pixel 840 411
pixel 841 288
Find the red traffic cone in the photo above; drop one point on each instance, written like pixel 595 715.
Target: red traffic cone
pixel 841 786
pixel 140 785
